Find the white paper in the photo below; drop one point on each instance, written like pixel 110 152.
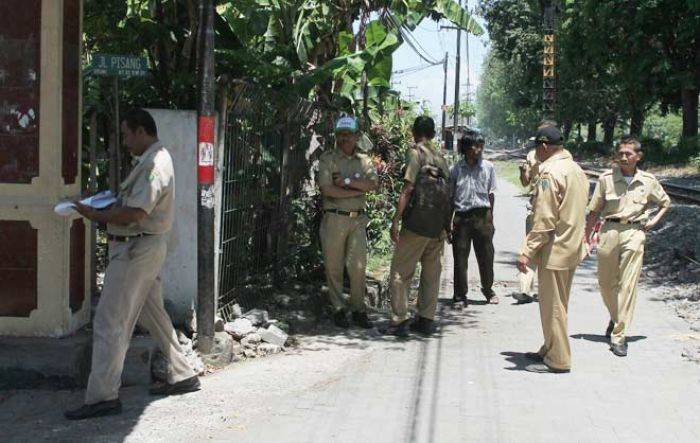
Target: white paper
pixel 100 200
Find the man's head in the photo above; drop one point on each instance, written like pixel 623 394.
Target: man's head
pixel 471 145
pixel 347 133
pixel 548 141
pixel 423 128
pixel 531 144
pixel 629 152
pixel 138 131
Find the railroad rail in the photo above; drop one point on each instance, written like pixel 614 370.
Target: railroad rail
pixel 676 192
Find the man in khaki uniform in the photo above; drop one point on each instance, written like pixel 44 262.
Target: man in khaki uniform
pixel 345 176
pixel 529 174
pixel 623 197
pixel 556 244
pixel 412 248
pixel 137 226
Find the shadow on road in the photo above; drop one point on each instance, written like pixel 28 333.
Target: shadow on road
pixel 603 339
pixel 518 359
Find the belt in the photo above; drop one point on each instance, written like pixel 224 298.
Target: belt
pixel 622 222
pixel 471 211
pixel 351 214
pixel 123 238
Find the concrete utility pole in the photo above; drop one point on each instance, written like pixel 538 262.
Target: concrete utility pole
pixel 458 65
pixel 206 298
pixel 469 86
pixel 444 100
pixel 410 92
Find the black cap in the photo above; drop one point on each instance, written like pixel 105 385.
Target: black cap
pixel 549 134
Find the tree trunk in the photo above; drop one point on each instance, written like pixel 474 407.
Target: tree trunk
pixel 567 129
pixel 637 122
pixel 689 96
pixel 609 129
pixel 592 131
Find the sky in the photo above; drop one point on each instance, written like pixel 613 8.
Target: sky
pixel 427 84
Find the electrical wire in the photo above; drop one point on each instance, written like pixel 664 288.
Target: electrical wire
pixel 410 39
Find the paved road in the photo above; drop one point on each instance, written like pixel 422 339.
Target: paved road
pixel 465 384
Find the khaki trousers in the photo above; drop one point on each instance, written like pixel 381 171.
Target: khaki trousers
pixel 527 279
pixel 555 287
pixel 620 256
pixel 411 249
pixel 131 289
pixel 344 243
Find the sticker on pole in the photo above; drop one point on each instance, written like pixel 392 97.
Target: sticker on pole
pixel 206 154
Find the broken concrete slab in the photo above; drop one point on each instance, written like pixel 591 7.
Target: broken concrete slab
pixel 268 349
pixel 258 317
pixel 273 335
pixel 251 340
pixel 239 328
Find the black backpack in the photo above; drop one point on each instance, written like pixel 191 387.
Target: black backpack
pixel 430 208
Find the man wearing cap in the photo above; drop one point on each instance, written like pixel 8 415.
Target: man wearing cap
pixel 556 244
pixel 136 229
pixel 625 197
pixel 345 177
pixel 529 174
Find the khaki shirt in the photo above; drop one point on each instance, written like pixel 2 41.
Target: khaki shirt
pixel 150 186
pixel 355 166
pixel 422 154
pixel 556 238
pixel 613 198
pixel 532 167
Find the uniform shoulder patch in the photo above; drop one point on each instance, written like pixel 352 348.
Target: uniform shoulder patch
pixel 543 183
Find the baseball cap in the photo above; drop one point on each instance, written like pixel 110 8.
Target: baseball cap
pixel 548 134
pixel 348 124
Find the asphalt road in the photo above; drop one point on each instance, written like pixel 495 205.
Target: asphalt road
pixel 465 384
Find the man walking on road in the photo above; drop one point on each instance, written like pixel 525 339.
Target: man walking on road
pixel 556 244
pixel 472 185
pixel 424 211
pixel 136 229
pixel 623 197
pixel 345 176
pixel 529 175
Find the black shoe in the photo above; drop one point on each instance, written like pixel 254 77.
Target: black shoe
pixel 542 368
pixel 522 298
pixel 340 318
pixel 361 320
pixel 462 299
pixel 535 297
pixel 399 330
pixel 182 387
pixel 422 325
pixel 101 409
pixel 608 331
pixel 619 349
pixel 535 356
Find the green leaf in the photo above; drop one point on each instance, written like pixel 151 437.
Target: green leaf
pixel 457 15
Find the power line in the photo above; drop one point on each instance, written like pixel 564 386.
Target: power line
pixel 410 39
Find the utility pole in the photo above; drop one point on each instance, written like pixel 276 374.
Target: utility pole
pixel 469 86
pixel 444 100
pixel 410 92
pixel 549 81
pixel 206 298
pixel 458 65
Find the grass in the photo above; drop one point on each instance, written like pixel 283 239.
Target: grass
pixel 378 265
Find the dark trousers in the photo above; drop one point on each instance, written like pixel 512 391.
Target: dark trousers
pixel 474 226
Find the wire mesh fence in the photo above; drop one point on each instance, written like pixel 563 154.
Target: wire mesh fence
pixel 270 208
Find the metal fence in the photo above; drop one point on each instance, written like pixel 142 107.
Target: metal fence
pixel 270 209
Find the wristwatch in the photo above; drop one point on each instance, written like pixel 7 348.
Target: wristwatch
pixel 346 182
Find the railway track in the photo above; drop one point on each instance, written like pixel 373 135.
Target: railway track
pixel 676 192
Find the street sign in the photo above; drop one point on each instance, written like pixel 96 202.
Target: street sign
pixel 124 66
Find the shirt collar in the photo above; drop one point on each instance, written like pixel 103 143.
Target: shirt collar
pixel 150 150
pixel 563 155
pixel 617 175
pixel 344 155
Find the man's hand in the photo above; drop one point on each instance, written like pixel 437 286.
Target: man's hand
pixel 522 166
pixel 85 211
pixel 489 216
pixel 648 226
pixel 523 261
pixel 395 231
